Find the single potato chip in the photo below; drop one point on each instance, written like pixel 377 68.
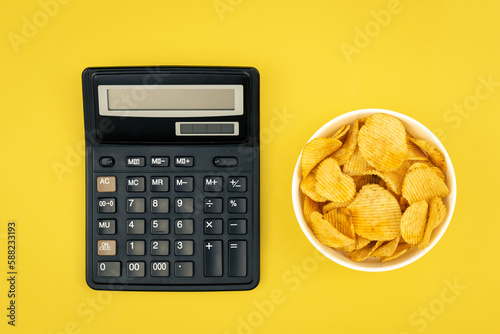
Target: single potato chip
pixel 347 149
pixel 414 152
pixel 386 249
pixel 342 132
pixel 394 179
pixel 400 250
pixel 360 242
pixel 341 220
pixel 357 165
pixel 423 183
pixel 307 185
pixel 413 222
pixel 309 207
pixel 437 212
pixel 315 151
pixel 362 180
pixel 332 184
pixel 382 142
pixel 433 153
pixel 327 234
pixel 334 205
pixel 375 213
pixel 365 252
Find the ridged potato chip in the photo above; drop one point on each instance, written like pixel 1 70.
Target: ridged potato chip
pixel 433 153
pixel 315 151
pixel 400 250
pixel 341 220
pixel 437 212
pixel 375 213
pixel 365 252
pixel 423 183
pixel 334 205
pixel 414 152
pixel 394 179
pixel 327 234
pixel 357 165
pixel 342 132
pixel 360 242
pixel 307 185
pixel 362 180
pixel 382 142
pixel 413 222
pixel 309 207
pixel 332 184
pixel 347 149
pixel 386 249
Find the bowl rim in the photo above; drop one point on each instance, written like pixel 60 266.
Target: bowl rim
pixel 337 256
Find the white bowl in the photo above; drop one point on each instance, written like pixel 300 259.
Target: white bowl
pixel 373 264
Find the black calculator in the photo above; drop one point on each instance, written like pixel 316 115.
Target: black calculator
pixel 172 178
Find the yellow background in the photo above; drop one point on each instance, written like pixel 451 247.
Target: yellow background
pixel 422 61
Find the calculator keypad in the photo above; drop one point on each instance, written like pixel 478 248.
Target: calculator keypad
pixel 172 226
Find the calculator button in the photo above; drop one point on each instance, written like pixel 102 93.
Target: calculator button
pixel 159 226
pixel 184 269
pixel 107 161
pixel 184 226
pixel 237 205
pixel 159 269
pixel 136 226
pixel 212 205
pixel 159 247
pixel 237 226
pixel 136 247
pixel 213 226
pixel 106 226
pixel 184 184
pixel 106 205
pixel 212 184
pixel 136 183
pixel 225 161
pixel 237 258
pixel 159 205
pixel 159 161
pixel 184 205
pixel 106 184
pixel 106 247
pixel 212 257
pixel 136 205
pixel 159 183
pixel 136 161
pixel 184 247
pixel 237 184
pixel 136 269
pixel 184 161
pixel 109 269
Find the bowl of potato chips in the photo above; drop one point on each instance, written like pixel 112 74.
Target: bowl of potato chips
pixel 374 190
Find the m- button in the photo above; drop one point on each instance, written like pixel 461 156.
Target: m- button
pixel 106 184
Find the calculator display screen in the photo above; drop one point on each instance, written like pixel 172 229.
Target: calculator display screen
pixel 170 100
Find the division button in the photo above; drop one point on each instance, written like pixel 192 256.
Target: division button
pixel 136 269
pixel 212 257
pixel 107 161
pixel 106 205
pixel 160 161
pixel 237 258
pixel 108 269
pixel 106 226
pixel 136 183
pixel 184 161
pixel 136 161
pixel 106 184
pixel 237 184
pixel 184 269
pixel 212 184
pixel 237 226
pixel 213 226
pixel 212 205
pixel 184 184
pixel 106 247
pixel 225 161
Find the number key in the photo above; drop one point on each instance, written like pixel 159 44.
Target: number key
pixel 136 269
pixel 184 205
pixel 159 205
pixel 136 205
pixel 184 226
pixel 135 226
pixel 136 247
pixel 159 247
pixel 184 247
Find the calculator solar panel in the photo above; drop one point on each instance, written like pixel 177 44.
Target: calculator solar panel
pixel 172 178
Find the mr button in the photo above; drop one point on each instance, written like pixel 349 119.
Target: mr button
pixel 106 184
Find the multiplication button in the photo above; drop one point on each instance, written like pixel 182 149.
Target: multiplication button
pixel 213 226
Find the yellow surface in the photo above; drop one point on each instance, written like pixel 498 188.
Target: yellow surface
pixel 425 60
